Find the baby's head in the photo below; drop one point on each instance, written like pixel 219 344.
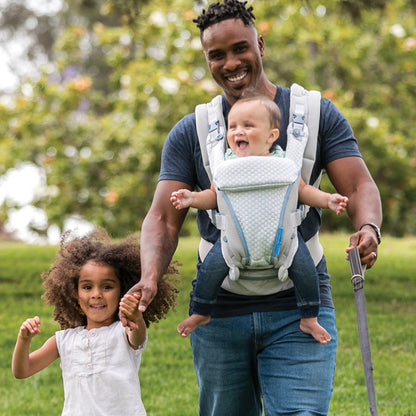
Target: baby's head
pixel 81 257
pixel 253 125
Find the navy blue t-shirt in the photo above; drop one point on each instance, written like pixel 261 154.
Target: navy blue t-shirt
pixel 182 161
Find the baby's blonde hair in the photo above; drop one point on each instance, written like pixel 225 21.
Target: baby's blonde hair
pixel 275 115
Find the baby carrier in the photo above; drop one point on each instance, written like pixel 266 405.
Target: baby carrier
pixel 257 196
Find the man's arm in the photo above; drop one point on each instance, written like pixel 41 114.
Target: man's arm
pixel 158 240
pixel 351 178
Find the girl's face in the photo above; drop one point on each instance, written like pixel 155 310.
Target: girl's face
pixel 249 132
pixel 98 294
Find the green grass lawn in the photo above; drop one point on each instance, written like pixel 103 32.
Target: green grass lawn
pixel 167 377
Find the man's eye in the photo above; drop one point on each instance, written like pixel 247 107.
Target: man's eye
pixel 240 49
pixel 215 56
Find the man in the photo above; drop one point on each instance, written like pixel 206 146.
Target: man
pixel 252 354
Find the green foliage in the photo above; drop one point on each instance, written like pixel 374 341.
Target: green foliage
pixel 168 382
pixel 126 72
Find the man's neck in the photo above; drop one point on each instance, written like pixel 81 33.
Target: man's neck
pixel 267 88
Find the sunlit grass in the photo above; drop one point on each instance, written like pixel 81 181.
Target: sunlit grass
pixel 167 377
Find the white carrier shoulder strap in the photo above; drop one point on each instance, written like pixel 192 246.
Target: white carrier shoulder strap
pixel 311 103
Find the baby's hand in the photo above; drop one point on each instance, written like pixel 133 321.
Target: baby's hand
pixel 337 203
pixel 129 305
pixel 181 199
pixel 30 328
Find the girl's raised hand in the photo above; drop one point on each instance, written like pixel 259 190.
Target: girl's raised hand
pixel 30 327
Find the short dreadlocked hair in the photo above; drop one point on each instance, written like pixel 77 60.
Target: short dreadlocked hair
pixel 229 9
pixel 61 280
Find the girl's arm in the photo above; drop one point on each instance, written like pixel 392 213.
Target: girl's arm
pixel 136 332
pixel 25 364
pixel 206 199
pixel 314 197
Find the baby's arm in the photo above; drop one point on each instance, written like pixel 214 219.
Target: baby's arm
pixel 206 199
pixel 129 307
pixel 24 364
pixel 314 197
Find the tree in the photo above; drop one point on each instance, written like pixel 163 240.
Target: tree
pixel 126 72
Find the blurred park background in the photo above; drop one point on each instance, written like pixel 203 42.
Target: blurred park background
pixel 90 89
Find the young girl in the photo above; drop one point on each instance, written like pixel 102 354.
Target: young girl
pixel 100 359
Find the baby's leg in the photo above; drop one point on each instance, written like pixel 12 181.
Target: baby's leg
pixel 208 281
pixel 191 323
pixel 306 281
pixel 311 326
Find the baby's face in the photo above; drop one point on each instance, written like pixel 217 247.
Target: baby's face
pixel 249 132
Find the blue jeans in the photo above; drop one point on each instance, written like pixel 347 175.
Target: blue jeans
pixel 214 269
pixel 263 360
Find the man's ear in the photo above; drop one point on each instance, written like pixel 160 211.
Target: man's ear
pixel 260 43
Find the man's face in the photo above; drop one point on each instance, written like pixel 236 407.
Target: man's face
pixel 233 53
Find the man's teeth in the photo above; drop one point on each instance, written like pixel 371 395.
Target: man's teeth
pixel 237 78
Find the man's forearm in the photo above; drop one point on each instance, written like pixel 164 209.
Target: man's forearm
pixel 364 206
pixel 158 244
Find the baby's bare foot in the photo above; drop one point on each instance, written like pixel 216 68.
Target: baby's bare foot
pixel 193 322
pixel 311 326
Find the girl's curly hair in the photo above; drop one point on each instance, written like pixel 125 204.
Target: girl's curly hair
pixel 229 9
pixel 61 280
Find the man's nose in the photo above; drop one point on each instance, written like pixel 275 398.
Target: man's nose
pixel 232 61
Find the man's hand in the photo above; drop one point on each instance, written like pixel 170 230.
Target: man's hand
pixel 367 243
pixel 146 291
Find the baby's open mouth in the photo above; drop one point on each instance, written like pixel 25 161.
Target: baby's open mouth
pixel 241 144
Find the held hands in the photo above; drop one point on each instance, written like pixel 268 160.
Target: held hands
pixel 145 291
pixel 129 307
pixel 337 203
pixel 181 199
pixel 30 328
